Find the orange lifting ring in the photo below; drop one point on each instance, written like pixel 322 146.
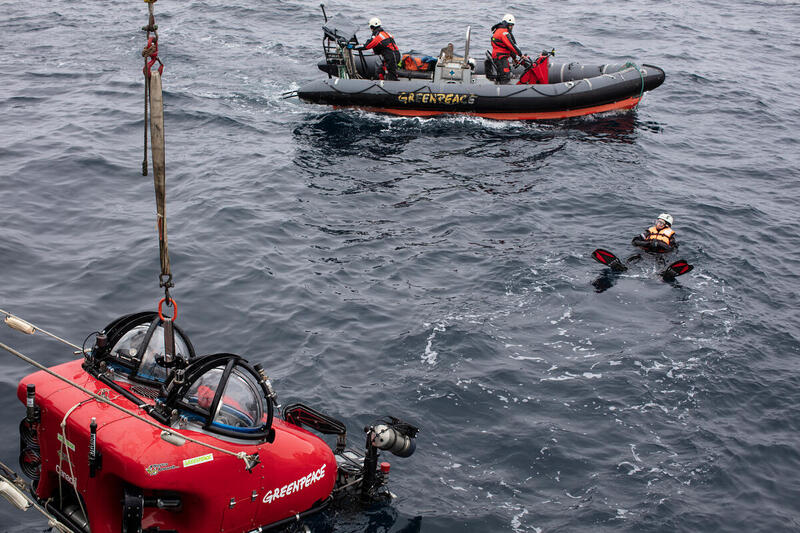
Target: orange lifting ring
pixel 170 304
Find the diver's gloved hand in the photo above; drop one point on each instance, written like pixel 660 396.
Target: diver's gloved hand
pixel 659 247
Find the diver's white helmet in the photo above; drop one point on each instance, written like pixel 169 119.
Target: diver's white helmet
pixel 666 217
pixel 374 22
pixel 509 18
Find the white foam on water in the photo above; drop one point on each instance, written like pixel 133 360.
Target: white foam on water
pixel 430 355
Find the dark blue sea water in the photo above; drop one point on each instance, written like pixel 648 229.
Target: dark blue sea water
pixel 439 269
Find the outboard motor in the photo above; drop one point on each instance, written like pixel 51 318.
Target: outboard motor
pixel 489 67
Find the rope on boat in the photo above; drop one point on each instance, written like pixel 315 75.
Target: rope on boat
pixel 428 89
pixel 533 87
pixel 367 88
pixel 516 93
pixel 423 88
pixel 631 64
pixel 249 460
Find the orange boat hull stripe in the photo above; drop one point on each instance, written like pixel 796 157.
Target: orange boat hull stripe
pixel 628 103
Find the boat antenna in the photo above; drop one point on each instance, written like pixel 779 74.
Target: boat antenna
pixel 322 6
pixel 465 64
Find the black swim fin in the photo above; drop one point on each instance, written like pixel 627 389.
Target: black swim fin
pixel 608 259
pixel 678 268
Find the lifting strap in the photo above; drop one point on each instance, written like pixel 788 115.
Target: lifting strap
pixel 150 51
pixel 154 98
pixel 159 175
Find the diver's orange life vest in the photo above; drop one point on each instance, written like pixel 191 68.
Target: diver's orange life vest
pixel 663 235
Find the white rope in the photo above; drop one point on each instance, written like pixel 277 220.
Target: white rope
pixel 9 475
pixel 65 444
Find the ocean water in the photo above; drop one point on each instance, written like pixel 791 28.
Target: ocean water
pixel 438 270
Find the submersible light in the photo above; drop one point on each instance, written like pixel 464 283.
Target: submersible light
pixel 388 438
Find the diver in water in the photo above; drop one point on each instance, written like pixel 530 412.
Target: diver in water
pixel 504 46
pixel 659 238
pixel 658 241
pixel 382 44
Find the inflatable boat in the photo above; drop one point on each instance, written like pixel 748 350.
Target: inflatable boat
pixel 139 437
pixel 448 85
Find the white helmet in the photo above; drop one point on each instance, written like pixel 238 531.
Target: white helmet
pixel 374 22
pixel 508 18
pixel 666 217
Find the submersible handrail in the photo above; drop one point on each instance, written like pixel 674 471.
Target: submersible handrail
pixel 14 321
pixel 249 461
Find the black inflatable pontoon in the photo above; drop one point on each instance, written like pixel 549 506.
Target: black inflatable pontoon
pixel 455 85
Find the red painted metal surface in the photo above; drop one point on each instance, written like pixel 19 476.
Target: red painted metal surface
pixel 218 494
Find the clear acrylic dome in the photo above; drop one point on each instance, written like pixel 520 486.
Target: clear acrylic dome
pixel 143 356
pixel 223 394
pixel 134 347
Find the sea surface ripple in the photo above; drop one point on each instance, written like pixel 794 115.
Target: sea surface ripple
pixel 438 269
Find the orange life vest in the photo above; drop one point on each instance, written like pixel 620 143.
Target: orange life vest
pixel 664 235
pixel 382 39
pixel 410 62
